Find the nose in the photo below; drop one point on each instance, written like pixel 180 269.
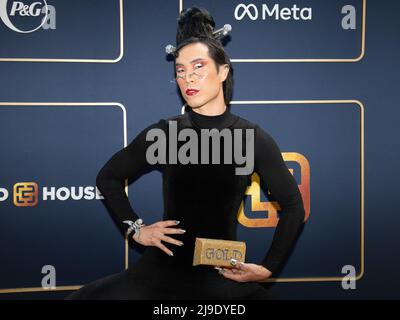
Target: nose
pixel 189 76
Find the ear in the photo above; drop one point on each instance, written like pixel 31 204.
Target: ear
pixel 223 72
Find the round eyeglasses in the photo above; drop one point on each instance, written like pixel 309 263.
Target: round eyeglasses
pixel 198 75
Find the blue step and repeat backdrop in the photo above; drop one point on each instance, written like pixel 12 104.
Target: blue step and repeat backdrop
pixel 79 79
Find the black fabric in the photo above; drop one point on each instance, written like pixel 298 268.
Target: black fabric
pixel 206 199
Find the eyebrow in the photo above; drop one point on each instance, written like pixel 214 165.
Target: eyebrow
pixel 195 60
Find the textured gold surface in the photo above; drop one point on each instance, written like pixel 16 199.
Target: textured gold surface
pixel 216 252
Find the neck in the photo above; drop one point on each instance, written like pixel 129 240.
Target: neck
pixel 205 121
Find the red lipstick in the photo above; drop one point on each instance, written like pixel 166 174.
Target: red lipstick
pixel 191 92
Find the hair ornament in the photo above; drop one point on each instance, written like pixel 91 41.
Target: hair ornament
pixel 217 34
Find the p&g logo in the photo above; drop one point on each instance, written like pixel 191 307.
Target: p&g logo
pixel 36 11
pixel 26 10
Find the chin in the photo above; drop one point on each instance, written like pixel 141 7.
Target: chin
pixel 194 105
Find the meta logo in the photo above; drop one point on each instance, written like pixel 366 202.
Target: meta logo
pixel 32 16
pixel 26 194
pixel 270 209
pixel 253 13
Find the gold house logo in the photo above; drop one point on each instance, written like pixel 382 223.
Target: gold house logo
pixel 25 194
pixel 272 207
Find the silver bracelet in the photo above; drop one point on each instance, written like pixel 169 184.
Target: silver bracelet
pixel 134 226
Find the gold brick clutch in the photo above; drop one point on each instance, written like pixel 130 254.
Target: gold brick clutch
pixel 216 252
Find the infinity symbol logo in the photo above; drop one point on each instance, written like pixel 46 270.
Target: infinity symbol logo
pixel 245 10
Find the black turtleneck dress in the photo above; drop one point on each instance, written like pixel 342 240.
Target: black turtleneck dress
pixel 205 198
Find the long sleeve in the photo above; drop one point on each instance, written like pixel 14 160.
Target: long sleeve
pixel 129 163
pixel 275 177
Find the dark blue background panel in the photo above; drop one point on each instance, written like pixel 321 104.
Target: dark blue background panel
pixel 74 29
pixel 58 148
pixel 278 30
pixel 328 135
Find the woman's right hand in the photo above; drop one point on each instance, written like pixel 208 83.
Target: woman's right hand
pixel 153 234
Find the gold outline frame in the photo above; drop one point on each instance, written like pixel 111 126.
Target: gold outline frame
pixel 362 181
pixel 40 104
pixel 121 48
pixel 362 53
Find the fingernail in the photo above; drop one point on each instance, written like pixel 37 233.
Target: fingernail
pixel 171 254
pixel 183 231
pixel 177 221
pixel 180 243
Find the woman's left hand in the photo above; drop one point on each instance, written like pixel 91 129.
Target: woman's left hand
pixel 245 272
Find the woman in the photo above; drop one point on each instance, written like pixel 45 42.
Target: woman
pixel 200 200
